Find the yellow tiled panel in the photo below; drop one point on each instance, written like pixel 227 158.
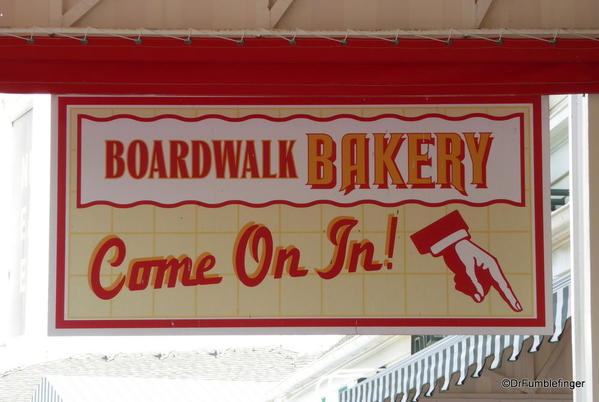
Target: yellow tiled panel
pixel 379 241
pixel 507 248
pixel 109 280
pixel 385 292
pixel 83 303
pixel 223 219
pixel 384 295
pixel 81 249
pixel 134 219
pixel 221 246
pixel 141 112
pixel 527 131
pixel 461 304
pixel 246 111
pixel 285 112
pixel 72 170
pixel 418 111
pixel 521 285
pixel 139 245
pixel 308 245
pixel 175 302
pixel 343 295
pixel 93 111
pixel 371 112
pixel 184 112
pixel 328 112
pixel 91 219
pixel 301 220
pixel 176 245
pixel 481 239
pixel 528 176
pixel 228 112
pixel 377 217
pixel 329 250
pixel 507 110
pixel 252 266
pixel 426 295
pixel 180 219
pixel 268 216
pixel 418 216
pixel 476 218
pixel 417 263
pixel 261 300
pixel 508 217
pixel 330 212
pixel 219 300
pixel 301 296
pixel 458 110
pixel 133 304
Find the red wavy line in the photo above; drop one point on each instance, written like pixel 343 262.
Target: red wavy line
pixel 300 116
pixel 300 205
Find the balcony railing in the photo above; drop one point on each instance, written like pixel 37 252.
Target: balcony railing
pixel 559 197
pixel 420 342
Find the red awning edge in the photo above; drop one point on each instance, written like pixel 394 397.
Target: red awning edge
pixel 311 67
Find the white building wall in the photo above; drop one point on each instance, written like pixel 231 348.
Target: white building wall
pixel 327 383
pixel 25 123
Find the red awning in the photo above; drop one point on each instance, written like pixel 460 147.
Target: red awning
pixel 311 67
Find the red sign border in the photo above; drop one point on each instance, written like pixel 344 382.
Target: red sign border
pixel 60 322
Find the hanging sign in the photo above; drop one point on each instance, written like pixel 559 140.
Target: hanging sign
pixel 294 217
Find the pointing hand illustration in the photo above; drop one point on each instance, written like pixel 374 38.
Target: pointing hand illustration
pixel 475 270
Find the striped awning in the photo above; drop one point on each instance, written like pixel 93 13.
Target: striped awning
pixel 437 363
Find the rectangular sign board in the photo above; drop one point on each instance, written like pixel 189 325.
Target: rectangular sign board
pixel 221 215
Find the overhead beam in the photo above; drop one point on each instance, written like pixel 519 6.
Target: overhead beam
pixel 55 13
pixel 529 34
pixel 76 12
pixel 481 7
pixel 262 14
pixel 278 9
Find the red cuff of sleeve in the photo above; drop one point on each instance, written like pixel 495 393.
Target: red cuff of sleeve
pixel 425 238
